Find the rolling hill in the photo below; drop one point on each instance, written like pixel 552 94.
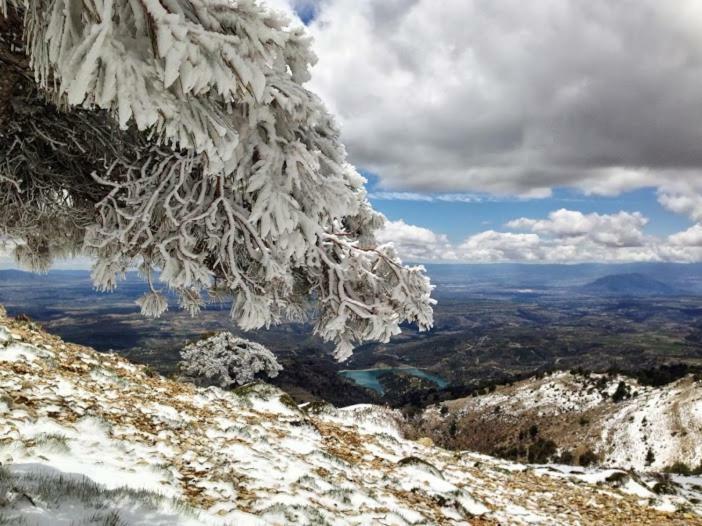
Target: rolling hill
pixel 634 284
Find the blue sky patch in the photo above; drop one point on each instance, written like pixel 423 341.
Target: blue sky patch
pixel 459 215
pixel 306 11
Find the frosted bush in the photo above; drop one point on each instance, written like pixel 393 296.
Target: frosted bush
pixel 178 137
pixel 228 360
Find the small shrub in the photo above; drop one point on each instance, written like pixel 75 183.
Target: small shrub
pixel 679 468
pixel 453 428
pixel 622 392
pixel 542 451
pixel 52 441
pixel 664 485
pixel 617 479
pixel 565 458
pixel 601 383
pixel 317 407
pixel 289 402
pixel 587 458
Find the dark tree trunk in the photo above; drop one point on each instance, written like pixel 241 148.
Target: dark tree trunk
pixel 14 64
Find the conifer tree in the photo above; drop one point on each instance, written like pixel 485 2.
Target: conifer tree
pixel 178 136
pixel 228 360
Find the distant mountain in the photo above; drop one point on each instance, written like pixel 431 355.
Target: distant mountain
pixel 13 275
pixel 501 278
pixel 62 277
pixel 16 277
pixel 628 285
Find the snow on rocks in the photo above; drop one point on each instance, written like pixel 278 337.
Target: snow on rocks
pixel 558 393
pixel 21 352
pixel 5 335
pixel 627 424
pixel 107 438
pixel 657 428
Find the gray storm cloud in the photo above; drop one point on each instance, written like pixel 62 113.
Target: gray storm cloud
pixel 519 97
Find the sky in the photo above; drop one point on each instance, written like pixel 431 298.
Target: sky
pixel 503 130
pixel 541 131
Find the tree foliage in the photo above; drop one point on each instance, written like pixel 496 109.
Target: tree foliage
pixel 228 360
pixel 177 136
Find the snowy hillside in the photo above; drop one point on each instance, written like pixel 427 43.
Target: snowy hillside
pixel 626 424
pixel 88 438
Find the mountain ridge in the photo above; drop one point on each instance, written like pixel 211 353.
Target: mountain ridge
pixel 630 284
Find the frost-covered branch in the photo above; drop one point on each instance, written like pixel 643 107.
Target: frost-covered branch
pixel 177 136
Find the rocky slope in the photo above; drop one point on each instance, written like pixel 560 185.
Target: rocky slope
pixel 613 419
pixel 88 438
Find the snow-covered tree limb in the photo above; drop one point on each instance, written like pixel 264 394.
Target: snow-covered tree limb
pixel 228 360
pixel 178 136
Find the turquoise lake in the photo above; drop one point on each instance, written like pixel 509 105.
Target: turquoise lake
pixel 369 377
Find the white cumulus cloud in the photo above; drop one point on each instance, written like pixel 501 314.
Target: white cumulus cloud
pixel 692 237
pixel 415 243
pixel 491 246
pixel 565 236
pixel 623 229
pixel 684 200
pixel 515 97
